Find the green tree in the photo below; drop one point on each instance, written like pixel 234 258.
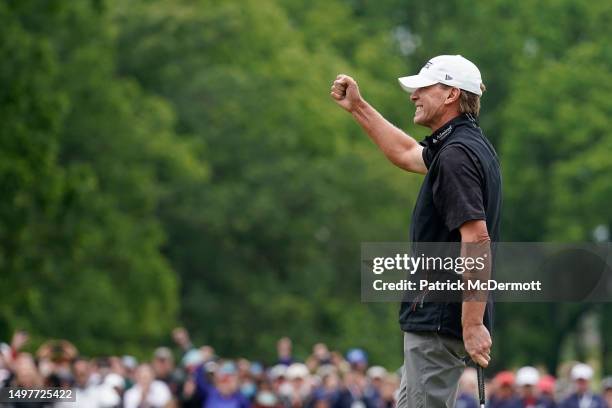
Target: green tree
pixel 88 161
pixel 295 186
pixel 557 180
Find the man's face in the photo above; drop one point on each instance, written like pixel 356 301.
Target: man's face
pixel 81 372
pixel 528 391
pixel 582 385
pixel 227 384
pixel 505 391
pixel 608 395
pixel 144 375
pixel 429 102
pixel 162 366
pixel 284 347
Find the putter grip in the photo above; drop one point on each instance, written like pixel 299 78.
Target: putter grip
pixel 481 387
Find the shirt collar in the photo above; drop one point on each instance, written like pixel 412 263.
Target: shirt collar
pixel 437 138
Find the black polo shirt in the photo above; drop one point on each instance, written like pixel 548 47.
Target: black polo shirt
pixel 463 183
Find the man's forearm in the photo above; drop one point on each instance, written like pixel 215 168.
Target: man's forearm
pixel 474 303
pixel 399 148
pixel 476 244
pixel 472 313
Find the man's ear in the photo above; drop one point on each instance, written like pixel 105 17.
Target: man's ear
pixel 453 96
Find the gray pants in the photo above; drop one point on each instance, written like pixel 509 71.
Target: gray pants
pixel 432 367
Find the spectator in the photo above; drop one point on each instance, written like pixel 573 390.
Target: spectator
pixel 5 372
pixel 327 393
pixel 389 387
pixel 99 368
pixel 116 366
pixel 90 394
pixel 468 389
pixel 224 392
pixel 26 376
pixel 129 364
pixel 546 386
pixel 298 387
pixel 266 397
pixel 339 362
pixel 60 352
pixel 116 383
pixel 373 391
pixel 284 351
pixel 20 339
pixel 189 397
pixel 192 359
pixel 320 356
pixel 583 397
pixel 527 379
pixel 180 335
pixel 353 393
pixel 147 391
pixel 606 385
pixel 26 373
pixel 246 379
pixel 207 353
pixel 257 371
pixel 165 370
pixel 358 359
pixel 503 395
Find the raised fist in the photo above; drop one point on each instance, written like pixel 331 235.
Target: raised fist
pixel 345 92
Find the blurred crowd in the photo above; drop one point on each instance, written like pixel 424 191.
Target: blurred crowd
pixel 191 376
pixel 528 388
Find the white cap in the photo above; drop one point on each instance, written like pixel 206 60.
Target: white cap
pixel 297 370
pixel 527 376
pixel 376 372
pixel 114 380
pixel 451 70
pixel 582 372
pixel 192 358
pixel 277 371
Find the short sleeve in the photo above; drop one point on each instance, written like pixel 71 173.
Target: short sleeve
pixel 458 187
pixel 427 153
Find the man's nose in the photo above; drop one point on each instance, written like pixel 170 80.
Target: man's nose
pixel 414 96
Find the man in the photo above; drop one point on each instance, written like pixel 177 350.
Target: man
pixel 527 379
pixel 284 350
pixel 224 392
pixel 583 397
pixel 165 370
pixel 606 385
pixel 147 392
pixel 459 201
pixel 89 394
pixel 502 393
pixel 468 389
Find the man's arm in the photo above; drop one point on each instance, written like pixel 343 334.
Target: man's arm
pixel 401 149
pixel 476 338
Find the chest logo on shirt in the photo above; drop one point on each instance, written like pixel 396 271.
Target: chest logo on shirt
pixel 440 136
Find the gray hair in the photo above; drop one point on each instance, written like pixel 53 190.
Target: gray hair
pixel 469 102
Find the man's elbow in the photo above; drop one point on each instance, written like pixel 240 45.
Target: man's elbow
pixel 409 160
pixel 475 231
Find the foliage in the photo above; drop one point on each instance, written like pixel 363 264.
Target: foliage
pixel 182 162
pixel 87 158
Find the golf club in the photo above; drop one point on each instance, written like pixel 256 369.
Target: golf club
pixel 481 386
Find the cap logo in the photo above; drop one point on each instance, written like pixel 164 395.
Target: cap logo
pixel 448 78
pixel 427 65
